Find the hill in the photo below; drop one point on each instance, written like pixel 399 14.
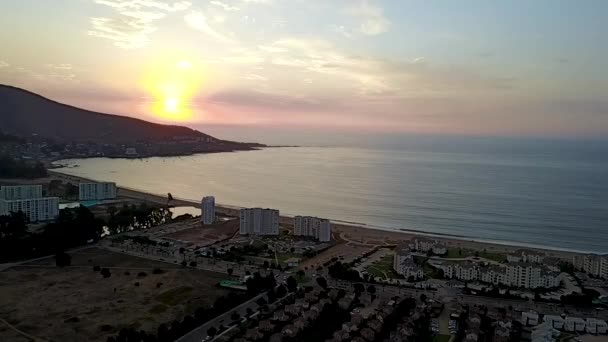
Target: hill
pixel 23 113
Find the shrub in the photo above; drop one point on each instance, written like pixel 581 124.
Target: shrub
pixel 96 268
pixel 136 284
pixel 105 272
pixel 142 274
pixel 157 271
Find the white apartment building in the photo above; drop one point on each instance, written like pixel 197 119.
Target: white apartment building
pixel 310 226
pixel 542 333
pixel 403 264
pixel 514 275
pixel 594 264
pixel 20 192
pixel 208 210
pixel 424 245
pixel 557 322
pixel 596 326
pixel 258 221
pixel 35 209
pixel 96 191
pixel 526 255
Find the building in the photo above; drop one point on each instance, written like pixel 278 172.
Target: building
pixel 593 264
pixel 541 333
pixel 315 227
pixel 35 209
pixel 96 191
pixel 208 210
pixel 403 264
pixel 20 192
pixel 258 221
pixel 557 322
pixel 521 275
pixel 424 245
pixel 526 255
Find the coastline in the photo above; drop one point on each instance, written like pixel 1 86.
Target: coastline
pixel 353 232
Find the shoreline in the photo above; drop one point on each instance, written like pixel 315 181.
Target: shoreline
pixel 353 232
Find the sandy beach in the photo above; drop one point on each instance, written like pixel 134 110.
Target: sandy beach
pixel 353 233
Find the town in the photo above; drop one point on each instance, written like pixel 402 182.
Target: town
pixel 280 278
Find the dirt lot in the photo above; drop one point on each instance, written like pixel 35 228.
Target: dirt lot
pixel 349 252
pixel 206 235
pixel 77 304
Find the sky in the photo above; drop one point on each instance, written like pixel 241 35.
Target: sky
pixel 320 67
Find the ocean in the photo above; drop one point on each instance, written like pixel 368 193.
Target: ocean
pixel 543 194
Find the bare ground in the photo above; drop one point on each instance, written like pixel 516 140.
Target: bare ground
pixel 77 304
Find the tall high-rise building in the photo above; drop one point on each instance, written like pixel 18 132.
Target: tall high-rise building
pixel 310 226
pixel 96 191
pixel 20 192
pixel 258 221
pixel 35 209
pixel 208 210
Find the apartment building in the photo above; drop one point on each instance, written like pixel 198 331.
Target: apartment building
pixel 315 227
pixel 35 209
pixel 258 221
pixel 208 210
pixel 96 191
pixel 20 192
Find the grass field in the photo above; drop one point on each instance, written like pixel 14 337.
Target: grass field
pixel 77 304
pixel 454 253
pixel 442 338
pixel 383 268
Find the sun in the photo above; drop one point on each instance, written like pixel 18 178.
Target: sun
pixel 173 83
pixel 171 105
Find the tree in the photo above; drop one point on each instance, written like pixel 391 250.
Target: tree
pixel 322 282
pixel 249 311
pixel 358 288
pixel 230 271
pixel 212 331
pixel 371 289
pixel 300 273
pixel 184 263
pixel 261 301
pixel 281 291
pixel 63 259
pixel 423 298
pixel 105 272
pixel 292 284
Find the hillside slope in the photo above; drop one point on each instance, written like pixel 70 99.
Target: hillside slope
pixel 23 113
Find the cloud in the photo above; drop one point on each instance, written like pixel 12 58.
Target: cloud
pixel 197 20
pixel 134 21
pixel 342 31
pixel 224 6
pixel 373 21
pixel 3 64
pixel 64 66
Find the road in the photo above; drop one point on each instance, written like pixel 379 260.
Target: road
pixel 198 334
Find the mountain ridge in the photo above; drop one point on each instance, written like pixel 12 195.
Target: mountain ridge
pixel 25 113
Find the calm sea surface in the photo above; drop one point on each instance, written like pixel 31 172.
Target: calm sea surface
pixel 543 196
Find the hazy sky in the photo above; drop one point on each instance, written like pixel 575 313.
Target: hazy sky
pixel 506 68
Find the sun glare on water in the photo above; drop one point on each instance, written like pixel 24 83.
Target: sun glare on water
pixel 173 85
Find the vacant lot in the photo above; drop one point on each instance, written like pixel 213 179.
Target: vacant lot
pixel 200 235
pixel 77 304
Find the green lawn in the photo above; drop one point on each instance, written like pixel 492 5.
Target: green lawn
pixel 382 267
pixel 442 338
pixel 463 253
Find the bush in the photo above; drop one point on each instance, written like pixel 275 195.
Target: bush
pixel 105 272
pixel 157 271
pixel 192 263
pixel 136 284
pixel 142 274
pixel 96 268
pixel 127 273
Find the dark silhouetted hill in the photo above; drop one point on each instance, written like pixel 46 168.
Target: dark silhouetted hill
pixel 23 113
